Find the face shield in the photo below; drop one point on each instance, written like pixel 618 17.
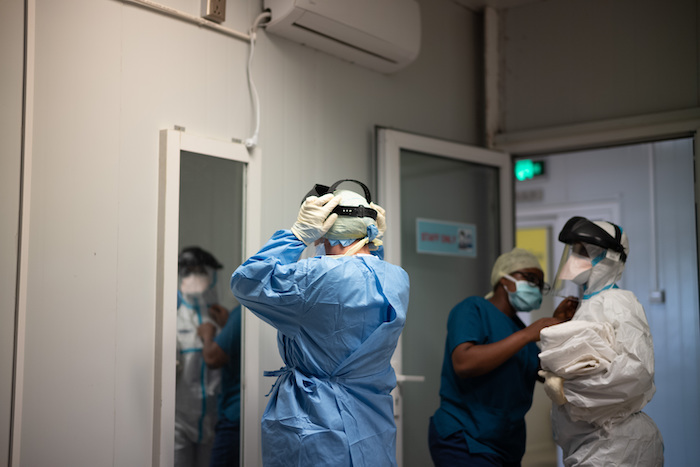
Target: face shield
pixel 197 278
pixel 593 258
pixel 575 268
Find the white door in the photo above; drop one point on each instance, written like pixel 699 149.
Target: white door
pixel 449 215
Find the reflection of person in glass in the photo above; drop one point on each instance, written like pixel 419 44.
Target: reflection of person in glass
pixel 224 351
pixel 338 317
pixel 196 385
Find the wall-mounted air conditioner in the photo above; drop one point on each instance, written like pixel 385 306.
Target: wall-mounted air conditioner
pixel 383 35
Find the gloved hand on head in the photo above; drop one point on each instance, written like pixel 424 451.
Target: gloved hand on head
pixel 553 387
pixel 315 217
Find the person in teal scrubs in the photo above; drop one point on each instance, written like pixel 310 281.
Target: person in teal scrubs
pixel 223 350
pixel 490 368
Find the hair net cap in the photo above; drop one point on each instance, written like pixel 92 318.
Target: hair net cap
pixel 512 261
pixel 346 227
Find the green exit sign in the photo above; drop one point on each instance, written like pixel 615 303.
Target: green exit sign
pixel 525 169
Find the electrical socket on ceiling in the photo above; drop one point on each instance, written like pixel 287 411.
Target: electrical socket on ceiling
pixel 214 10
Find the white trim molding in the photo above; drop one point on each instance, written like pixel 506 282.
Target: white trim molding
pixel 637 129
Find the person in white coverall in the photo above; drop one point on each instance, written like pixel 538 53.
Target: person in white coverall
pixel 599 367
pixel 197 386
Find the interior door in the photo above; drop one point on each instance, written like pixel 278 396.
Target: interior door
pixel 449 215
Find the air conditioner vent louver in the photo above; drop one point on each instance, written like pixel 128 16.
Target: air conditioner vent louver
pixel 346 44
pixel 383 35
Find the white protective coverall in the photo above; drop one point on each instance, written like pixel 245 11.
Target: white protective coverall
pixel 605 357
pixel 197 386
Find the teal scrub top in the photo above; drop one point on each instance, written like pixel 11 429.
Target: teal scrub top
pixel 229 339
pixel 489 409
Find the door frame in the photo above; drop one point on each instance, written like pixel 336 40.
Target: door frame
pixel 389 145
pixel 172 143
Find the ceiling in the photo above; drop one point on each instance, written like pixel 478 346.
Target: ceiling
pixel 479 5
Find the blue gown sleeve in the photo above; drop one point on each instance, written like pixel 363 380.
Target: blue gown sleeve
pixel 271 283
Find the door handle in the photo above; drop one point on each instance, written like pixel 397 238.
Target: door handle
pixel 410 379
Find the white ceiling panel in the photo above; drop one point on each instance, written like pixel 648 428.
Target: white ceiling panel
pixel 478 5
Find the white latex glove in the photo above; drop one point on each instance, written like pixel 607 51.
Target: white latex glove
pixel 314 220
pixel 553 387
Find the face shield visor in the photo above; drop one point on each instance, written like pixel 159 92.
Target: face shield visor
pixel 197 278
pixel 587 245
pixel 199 287
pixel 575 268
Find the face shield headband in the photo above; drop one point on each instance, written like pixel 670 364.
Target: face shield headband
pixel 581 230
pixel 195 260
pixel 349 211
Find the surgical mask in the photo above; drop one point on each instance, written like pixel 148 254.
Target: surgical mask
pixel 194 284
pixel 526 297
pixel 577 269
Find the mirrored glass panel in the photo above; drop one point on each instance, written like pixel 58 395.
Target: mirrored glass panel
pixel 207 393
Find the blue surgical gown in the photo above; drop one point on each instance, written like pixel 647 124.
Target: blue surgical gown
pixel 338 320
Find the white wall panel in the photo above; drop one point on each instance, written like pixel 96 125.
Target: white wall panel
pixel 70 353
pixel 109 76
pixel 12 58
pixel 677 341
pixel 319 112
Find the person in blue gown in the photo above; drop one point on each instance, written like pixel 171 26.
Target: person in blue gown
pixel 338 317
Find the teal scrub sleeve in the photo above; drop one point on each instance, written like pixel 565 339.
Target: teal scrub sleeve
pixel 465 324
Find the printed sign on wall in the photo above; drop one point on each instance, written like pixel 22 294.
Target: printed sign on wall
pixel 445 238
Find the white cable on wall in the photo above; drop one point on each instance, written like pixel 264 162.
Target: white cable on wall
pixel 253 140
